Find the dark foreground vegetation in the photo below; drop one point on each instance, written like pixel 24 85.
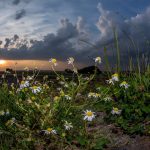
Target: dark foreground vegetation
pixel 74 110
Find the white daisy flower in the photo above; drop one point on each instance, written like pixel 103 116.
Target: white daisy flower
pixel 3 76
pixel 110 81
pixel 90 95
pixel 59 89
pixel 68 125
pixel 67 97
pixel 29 78
pixel 24 84
pixel 36 89
pixel 49 131
pixel 107 99
pixel 66 85
pixel 98 60
pixel 124 84
pixel 26 68
pixel 93 95
pixel 98 88
pixel 53 61
pixel 116 111
pixel 70 60
pixel 115 77
pixel 75 70
pixel 89 115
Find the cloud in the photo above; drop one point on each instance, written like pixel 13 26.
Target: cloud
pixel 20 14
pixel 133 34
pixel 66 41
pixel 60 44
pixel 108 20
pixel 16 2
pixel 135 26
pixel 16 37
pixel 7 42
pixel 11 41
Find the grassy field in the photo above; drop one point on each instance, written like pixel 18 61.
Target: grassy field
pixel 74 112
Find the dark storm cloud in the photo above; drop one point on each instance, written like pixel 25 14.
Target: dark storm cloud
pixel 16 2
pixel 11 41
pixel 16 37
pixel 20 14
pixel 59 45
pixel 135 28
pixel 66 41
pixel 7 42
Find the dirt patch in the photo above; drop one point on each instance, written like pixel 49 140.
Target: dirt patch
pixel 118 140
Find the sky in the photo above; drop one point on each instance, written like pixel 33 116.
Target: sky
pixel 32 31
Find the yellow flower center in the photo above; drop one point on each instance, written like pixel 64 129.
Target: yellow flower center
pixel 98 58
pixel 33 98
pixel 115 109
pixel 54 60
pixel 98 95
pixel 26 89
pixel 49 129
pixel 22 82
pixel 115 75
pixel 89 113
pixel 124 82
pixel 34 87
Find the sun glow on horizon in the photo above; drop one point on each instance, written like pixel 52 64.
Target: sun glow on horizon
pixel 32 64
pixel 2 62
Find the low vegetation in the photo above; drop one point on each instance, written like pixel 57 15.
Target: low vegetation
pixel 63 114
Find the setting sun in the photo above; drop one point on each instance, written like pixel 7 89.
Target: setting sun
pixel 2 62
